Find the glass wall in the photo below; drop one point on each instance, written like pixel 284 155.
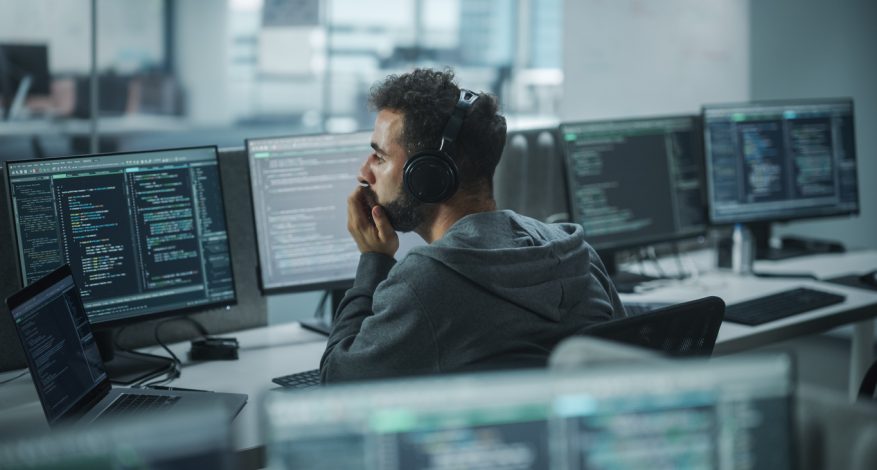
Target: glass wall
pixel 193 72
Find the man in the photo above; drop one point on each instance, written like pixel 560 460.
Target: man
pixel 492 289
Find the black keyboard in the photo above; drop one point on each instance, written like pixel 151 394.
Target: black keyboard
pixel 306 379
pixel 135 403
pixel 638 308
pixel 780 305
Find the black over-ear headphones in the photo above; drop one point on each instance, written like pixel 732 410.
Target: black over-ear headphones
pixel 431 176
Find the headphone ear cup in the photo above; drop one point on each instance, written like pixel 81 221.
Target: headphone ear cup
pixel 431 177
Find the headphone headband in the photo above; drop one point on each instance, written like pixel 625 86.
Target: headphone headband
pixel 452 128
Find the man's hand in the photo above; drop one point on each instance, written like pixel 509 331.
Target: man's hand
pixel 372 234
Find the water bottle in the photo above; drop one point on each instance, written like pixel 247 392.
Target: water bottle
pixel 741 250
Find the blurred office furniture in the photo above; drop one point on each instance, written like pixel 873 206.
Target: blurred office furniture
pixel 685 329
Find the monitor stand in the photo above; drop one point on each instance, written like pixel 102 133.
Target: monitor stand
pixel 320 324
pixel 791 247
pixel 126 367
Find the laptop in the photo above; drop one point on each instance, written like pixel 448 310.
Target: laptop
pixel 66 366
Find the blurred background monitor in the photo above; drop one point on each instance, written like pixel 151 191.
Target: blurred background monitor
pixel 200 437
pixel 729 413
pixel 24 71
pixel 779 161
pixel 300 187
pixel 529 178
pixel 635 182
pixel 144 232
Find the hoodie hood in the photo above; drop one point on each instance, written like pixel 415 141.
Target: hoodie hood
pixel 543 268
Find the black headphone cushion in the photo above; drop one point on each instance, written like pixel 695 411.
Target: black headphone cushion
pixel 431 176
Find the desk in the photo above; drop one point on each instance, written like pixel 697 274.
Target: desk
pixel 265 353
pixel 859 309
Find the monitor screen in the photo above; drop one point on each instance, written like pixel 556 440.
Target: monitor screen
pixel 781 160
pixel 725 413
pixel 637 181
pixel 300 187
pixel 143 232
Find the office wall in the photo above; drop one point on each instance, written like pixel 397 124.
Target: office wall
pixel 627 58
pixel 822 48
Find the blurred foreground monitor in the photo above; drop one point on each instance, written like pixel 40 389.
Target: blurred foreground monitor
pixel 717 414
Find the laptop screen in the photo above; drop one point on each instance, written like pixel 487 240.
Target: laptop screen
pixel 62 355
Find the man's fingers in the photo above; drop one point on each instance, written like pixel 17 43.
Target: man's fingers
pixel 385 229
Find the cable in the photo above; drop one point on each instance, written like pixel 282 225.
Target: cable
pixel 15 378
pixel 174 369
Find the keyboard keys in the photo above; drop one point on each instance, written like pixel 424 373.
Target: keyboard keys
pixel 306 379
pixel 780 305
pixel 134 403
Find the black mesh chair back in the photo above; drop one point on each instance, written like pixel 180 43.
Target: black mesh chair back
pixel 686 329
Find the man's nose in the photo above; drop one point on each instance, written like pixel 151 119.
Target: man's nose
pixel 365 177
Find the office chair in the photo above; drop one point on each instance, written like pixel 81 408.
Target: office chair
pixel 686 329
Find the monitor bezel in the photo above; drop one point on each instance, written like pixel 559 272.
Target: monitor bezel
pixel 114 322
pixel 769 218
pixel 328 285
pixel 697 134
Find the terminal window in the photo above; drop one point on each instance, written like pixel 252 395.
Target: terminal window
pixel 143 233
pixel 780 161
pixel 635 181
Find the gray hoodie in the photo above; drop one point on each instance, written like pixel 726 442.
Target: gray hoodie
pixel 498 290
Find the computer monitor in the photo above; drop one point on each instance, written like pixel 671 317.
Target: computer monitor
pixel 24 71
pixel 300 187
pixel 144 232
pixel 723 413
pixel 779 161
pixel 635 182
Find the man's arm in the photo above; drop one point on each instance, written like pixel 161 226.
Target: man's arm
pixel 396 338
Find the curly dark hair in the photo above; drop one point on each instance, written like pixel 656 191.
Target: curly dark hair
pixel 426 98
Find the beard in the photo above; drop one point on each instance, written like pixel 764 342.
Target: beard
pixel 404 213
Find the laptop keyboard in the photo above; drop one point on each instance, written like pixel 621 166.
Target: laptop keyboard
pixel 780 305
pixel 127 403
pixel 306 379
pixel 638 308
